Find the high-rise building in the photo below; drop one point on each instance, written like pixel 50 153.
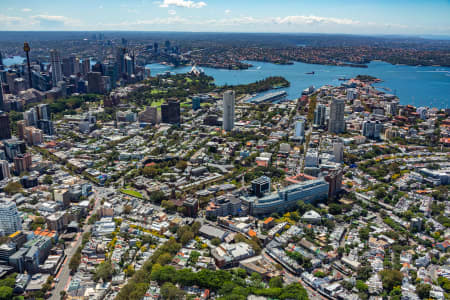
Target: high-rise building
pixel 33 136
pixel 55 61
pixel 149 115
pixel 334 179
pixel 1 94
pixel 170 112
pixel 4 169
pixel 338 151
pixel 120 60
pixel 43 111
pixel 372 129
pixel 1 61
pixel 21 129
pixel 5 128
pixel 228 110
pixel 320 115
pixel 46 126
pixel 30 116
pixel 337 122
pixel 68 66
pixel 9 217
pixel 22 163
pixel 300 129
pixel 14 147
pixel 94 82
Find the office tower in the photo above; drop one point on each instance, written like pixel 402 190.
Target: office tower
pixel 9 217
pixel 337 122
pixel 19 85
pixel 30 116
pixel 334 179
pixel 338 151
pixel 94 82
pixel 170 112
pixel 261 185
pixel 1 61
pixel 120 60
pixel 129 65
pixel 320 115
pixel 98 67
pixel 14 147
pixel 1 94
pixel 76 66
pixel 46 126
pixel 68 66
pixel 21 129
pixel 4 169
pixel 43 111
pixel 149 115
pixel 55 60
pixel 5 128
pixel 85 66
pixel 228 110
pixel 33 136
pixel 352 94
pixel 10 76
pixel 22 163
pixel 372 129
pixel 300 129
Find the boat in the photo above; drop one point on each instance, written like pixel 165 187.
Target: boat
pixel 310 73
pixel 343 79
pixel 269 97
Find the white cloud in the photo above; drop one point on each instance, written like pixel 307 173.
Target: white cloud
pixel 26 9
pixel 227 11
pixel 183 3
pixel 100 7
pixel 314 20
pixel 172 12
pixel 54 21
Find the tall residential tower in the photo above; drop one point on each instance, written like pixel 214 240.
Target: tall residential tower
pixel 228 110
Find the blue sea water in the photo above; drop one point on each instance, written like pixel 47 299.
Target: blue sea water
pixel 415 85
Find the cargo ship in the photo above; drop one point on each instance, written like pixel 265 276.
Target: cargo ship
pixel 269 97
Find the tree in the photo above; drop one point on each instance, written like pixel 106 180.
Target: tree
pixel 171 292
pixel 276 282
pixel 157 196
pixel 216 241
pixel 6 292
pixel 13 188
pixel 361 286
pixel 391 278
pixel 335 209
pixel 104 271
pixel 48 179
pixel 423 290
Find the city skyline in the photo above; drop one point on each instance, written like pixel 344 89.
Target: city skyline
pixel 351 17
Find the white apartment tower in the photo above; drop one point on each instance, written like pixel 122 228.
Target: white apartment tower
pixel 228 110
pixel 9 217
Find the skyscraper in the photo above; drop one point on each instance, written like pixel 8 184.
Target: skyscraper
pixel 1 61
pixel 55 61
pixel 22 163
pixel 228 110
pixel 94 82
pixel 338 151
pixel 43 112
pixel 68 66
pixel 85 66
pixel 4 169
pixel 300 129
pixel 9 217
pixel 170 112
pixel 319 115
pixel 1 93
pixel 5 128
pixel 337 122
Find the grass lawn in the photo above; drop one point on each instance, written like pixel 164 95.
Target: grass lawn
pixel 157 103
pixel 132 193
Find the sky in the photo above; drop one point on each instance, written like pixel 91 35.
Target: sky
pixel 407 17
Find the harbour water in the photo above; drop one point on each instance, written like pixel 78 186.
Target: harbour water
pixel 415 85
